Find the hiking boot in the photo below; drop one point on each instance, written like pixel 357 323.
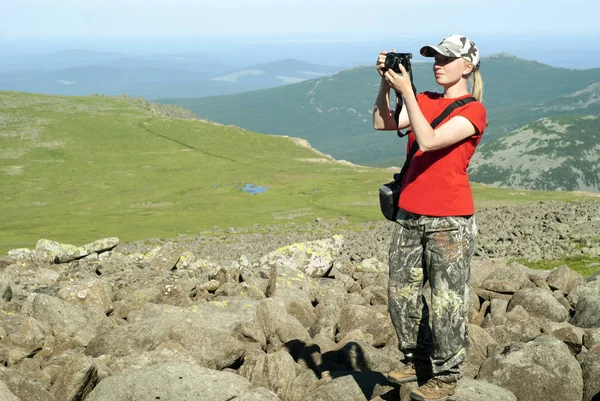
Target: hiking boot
pixel 403 375
pixel 434 390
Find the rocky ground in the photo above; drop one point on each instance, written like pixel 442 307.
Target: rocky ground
pixel 535 231
pixel 292 313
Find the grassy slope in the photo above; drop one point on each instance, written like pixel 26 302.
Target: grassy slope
pixel 75 169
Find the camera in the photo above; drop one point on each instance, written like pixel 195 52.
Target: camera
pixel 393 61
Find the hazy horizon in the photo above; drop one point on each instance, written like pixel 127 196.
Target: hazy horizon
pixel 344 51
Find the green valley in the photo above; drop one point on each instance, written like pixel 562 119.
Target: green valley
pixel 75 169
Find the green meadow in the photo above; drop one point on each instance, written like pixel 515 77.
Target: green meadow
pixel 76 169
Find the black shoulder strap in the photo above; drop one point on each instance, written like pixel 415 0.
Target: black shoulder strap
pixel 415 146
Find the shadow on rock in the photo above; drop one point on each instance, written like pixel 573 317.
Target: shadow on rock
pixel 349 360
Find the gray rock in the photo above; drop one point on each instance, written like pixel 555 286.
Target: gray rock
pixel 542 369
pixel 67 320
pixel 279 327
pixel 275 371
pixel 24 387
pixel 48 251
pixel 133 338
pixel 7 261
pixel 348 388
pixel 539 303
pixel 166 258
pixel 507 279
pixel 170 382
pixel 76 380
pixel 477 352
pixel 591 374
pixel 591 337
pixel 469 389
pixel 314 258
pixel 370 320
pixel 6 394
pixel 6 291
pixel 565 332
pixel 588 289
pixel 327 319
pixel 101 245
pixel 211 347
pixel 24 332
pixel 515 332
pixel 564 279
pixel 587 312
pixel 94 294
pixel 258 394
pixel 219 314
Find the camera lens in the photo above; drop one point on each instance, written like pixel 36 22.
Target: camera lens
pixel 391 61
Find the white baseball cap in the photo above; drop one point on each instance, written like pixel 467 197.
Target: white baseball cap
pixel 454 46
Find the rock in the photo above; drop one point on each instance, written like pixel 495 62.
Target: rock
pixel 25 388
pixel 567 333
pixel 468 389
pixel 6 394
pixel 368 320
pixel 347 388
pixel 258 394
pixel 479 341
pixel 314 258
pixel 210 347
pixel 539 303
pixel 166 258
pixel 101 245
pixel 564 279
pixel 587 289
pixel 591 337
pixel 48 251
pixel 279 327
pixel 95 293
pixel 275 371
pixel 67 321
pixel 76 380
pixel 507 279
pixel 591 374
pixel 171 382
pixel 587 312
pixel 6 261
pixel 542 369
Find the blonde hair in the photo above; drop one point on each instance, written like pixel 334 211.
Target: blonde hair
pixel 476 82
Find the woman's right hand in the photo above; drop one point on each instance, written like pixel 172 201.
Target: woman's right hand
pixel 380 65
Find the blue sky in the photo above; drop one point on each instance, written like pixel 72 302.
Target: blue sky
pixel 75 18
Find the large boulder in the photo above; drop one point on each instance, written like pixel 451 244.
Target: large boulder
pixel 591 374
pixel 314 258
pixel 539 303
pixel 171 383
pixel 542 369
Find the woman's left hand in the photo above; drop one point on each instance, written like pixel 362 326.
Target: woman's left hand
pixel 399 82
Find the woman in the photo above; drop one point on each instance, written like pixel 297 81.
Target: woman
pixel 435 234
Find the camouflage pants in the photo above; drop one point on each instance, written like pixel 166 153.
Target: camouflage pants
pixel 437 250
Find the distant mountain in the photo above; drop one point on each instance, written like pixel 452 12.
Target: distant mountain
pixel 79 73
pixel 57 60
pixel 558 153
pixel 334 113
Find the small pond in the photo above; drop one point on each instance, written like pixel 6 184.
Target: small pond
pixel 254 189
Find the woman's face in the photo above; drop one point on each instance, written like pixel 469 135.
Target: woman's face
pixel 449 70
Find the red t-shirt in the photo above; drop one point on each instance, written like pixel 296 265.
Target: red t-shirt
pixel 436 182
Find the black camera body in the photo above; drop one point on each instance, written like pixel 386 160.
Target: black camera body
pixel 393 61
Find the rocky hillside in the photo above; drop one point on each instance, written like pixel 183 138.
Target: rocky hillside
pixel 293 313
pixel 558 153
